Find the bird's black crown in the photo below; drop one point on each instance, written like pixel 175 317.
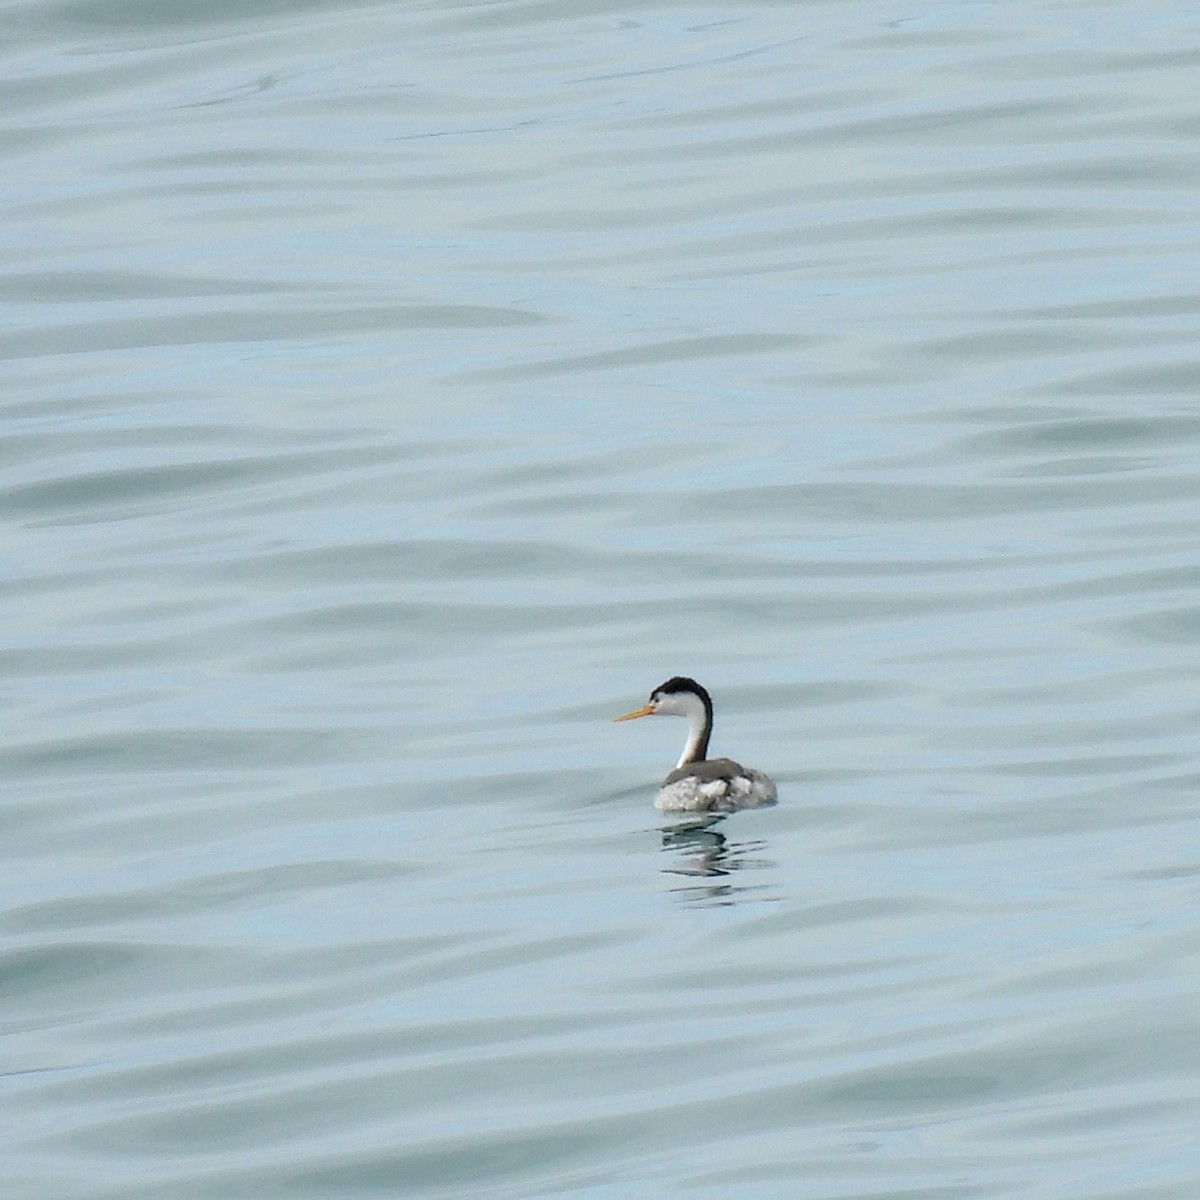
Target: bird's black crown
pixel 681 683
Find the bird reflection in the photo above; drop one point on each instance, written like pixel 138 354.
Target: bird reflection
pixel 701 851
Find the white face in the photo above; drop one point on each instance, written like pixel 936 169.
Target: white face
pixel 673 704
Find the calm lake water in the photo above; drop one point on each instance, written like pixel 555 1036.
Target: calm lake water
pixel 394 393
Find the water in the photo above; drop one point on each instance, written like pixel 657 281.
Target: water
pixel 394 393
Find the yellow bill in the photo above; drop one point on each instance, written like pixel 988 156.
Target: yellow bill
pixel 644 711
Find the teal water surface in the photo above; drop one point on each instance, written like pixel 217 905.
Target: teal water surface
pixel 393 394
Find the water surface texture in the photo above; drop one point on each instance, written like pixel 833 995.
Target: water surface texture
pixel 394 393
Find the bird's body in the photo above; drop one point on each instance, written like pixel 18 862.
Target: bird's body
pixel 699 783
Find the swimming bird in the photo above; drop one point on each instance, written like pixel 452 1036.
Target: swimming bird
pixel 699 783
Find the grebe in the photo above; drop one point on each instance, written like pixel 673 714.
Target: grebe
pixel 700 784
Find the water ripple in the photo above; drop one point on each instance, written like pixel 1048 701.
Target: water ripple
pixel 379 424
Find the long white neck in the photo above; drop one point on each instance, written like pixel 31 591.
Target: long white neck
pixel 699 731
